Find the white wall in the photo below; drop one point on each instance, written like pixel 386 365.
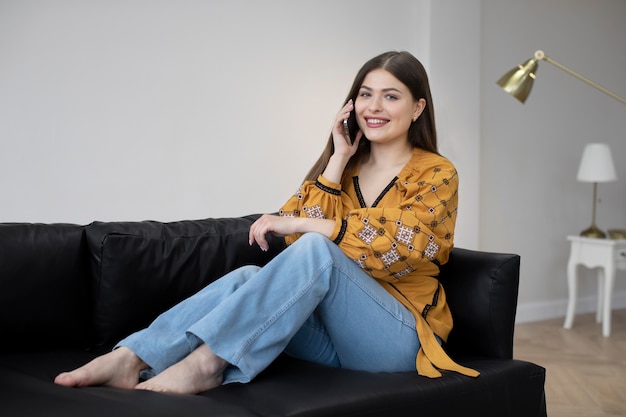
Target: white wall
pixel 530 199
pixel 168 110
pixel 455 75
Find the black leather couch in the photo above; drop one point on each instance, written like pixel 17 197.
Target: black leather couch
pixel 67 292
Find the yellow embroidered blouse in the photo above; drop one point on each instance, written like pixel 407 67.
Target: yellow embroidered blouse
pixel 400 240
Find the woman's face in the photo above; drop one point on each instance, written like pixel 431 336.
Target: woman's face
pixel 385 108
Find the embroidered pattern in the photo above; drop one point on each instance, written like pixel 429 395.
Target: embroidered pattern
pixel 327 189
pixel 405 235
pixel 361 261
pixel 314 212
pixel 431 250
pixel 357 189
pixel 390 257
pixel 405 271
pixel 368 234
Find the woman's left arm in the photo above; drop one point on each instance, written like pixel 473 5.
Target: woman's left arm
pixel 284 226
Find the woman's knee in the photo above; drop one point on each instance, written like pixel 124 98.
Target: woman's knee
pixel 314 239
pixel 249 269
pixel 317 246
pixel 239 276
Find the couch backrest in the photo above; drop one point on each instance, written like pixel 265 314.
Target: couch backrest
pixel 44 296
pixel 65 285
pixel 139 269
pixel 481 289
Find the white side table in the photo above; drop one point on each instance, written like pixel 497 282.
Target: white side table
pixel 605 254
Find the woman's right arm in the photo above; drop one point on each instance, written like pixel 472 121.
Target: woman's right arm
pixel 317 205
pixel 343 150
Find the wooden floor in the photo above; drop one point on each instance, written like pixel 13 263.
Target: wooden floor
pixel 585 372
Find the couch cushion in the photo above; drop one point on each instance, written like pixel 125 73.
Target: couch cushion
pixel 288 387
pixel 142 268
pixel 27 389
pixel 44 297
pixel 504 388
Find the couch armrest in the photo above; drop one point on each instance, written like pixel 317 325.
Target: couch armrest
pixel 481 289
pixel 44 294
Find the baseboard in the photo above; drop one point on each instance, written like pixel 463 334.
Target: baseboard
pixel 545 310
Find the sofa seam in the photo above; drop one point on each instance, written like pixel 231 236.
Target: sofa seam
pixel 495 272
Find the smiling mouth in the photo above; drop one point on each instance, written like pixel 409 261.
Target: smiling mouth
pixel 376 122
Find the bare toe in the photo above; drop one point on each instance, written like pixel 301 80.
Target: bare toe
pixel 119 368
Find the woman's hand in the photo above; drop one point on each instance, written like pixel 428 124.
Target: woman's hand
pixel 277 225
pixel 284 226
pixel 343 150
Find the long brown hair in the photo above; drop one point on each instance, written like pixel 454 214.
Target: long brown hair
pixel 410 71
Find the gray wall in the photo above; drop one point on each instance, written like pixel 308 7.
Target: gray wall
pixel 530 199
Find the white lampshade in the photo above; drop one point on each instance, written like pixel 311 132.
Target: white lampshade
pixel 596 164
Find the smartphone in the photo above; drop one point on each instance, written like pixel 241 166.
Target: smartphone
pixel 346 132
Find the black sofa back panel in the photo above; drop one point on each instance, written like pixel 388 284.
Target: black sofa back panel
pixel 481 289
pixel 44 302
pixel 139 269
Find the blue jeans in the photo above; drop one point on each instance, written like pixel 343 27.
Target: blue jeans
pixel 311 301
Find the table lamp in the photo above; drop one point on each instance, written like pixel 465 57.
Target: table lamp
pixel 596 166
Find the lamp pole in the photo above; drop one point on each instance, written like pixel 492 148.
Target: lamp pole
pixel 593 230
pixel 542 56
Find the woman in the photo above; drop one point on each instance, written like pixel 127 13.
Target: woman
pixel 356 288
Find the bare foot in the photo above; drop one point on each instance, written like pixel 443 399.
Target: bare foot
pixel 200 371
pixel 118 368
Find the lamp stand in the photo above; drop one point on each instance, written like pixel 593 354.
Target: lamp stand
pixel 541 55
pixel 593 230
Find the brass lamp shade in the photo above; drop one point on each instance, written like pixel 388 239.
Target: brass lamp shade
pixel 519 81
